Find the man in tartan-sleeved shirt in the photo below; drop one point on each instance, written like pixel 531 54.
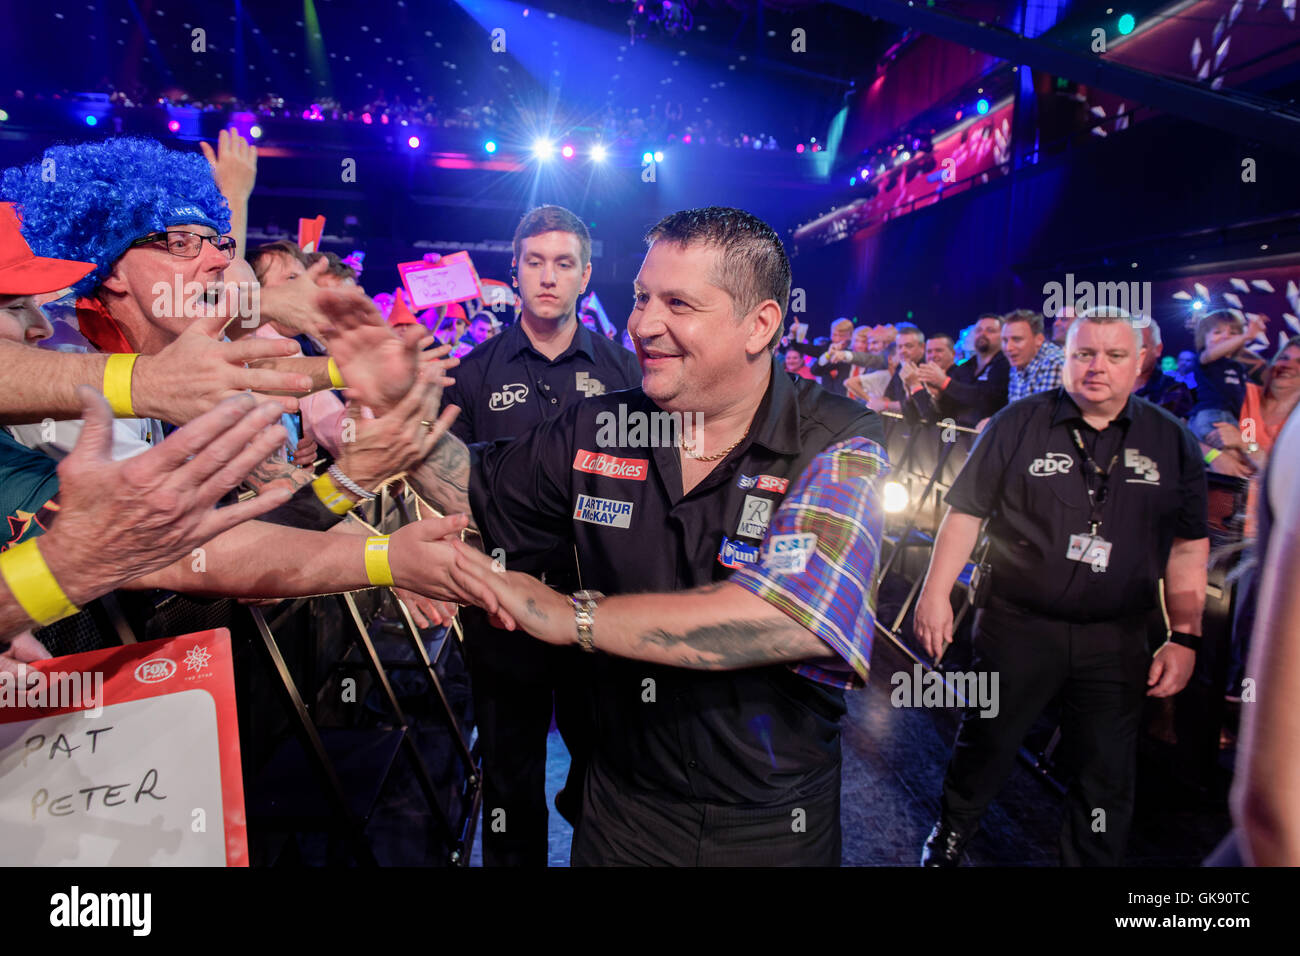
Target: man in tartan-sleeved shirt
pixel 734 566
pixel 1035 363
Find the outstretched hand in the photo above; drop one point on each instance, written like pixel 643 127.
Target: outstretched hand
pixel 379 365
pixel 522 599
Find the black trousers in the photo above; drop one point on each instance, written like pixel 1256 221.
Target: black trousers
pixel 622 825
pixel 517 683
pixel 1102 668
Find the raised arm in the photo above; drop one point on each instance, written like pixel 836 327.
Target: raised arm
pixel 187 378
pixel 443 478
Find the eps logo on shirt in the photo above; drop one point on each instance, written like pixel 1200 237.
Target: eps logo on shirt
pixel 1148 471
pixel 513 394
pixel 589 386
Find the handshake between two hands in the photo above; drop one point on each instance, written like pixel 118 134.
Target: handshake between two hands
pixel 429 558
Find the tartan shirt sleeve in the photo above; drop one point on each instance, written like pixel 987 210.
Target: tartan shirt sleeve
pixel 820 555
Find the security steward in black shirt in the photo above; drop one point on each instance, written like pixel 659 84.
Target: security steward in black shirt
pixel 1092 497
pixel 529 374
pixel 710 748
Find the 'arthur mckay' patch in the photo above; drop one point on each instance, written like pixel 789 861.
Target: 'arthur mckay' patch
pixel 606 511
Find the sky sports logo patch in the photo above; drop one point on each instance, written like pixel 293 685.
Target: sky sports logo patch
pixel 736 554
pixel 598 463
pixel 607 511
pixel 764 483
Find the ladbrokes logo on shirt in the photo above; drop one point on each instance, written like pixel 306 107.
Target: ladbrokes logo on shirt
pixel 598 463
pixel 607 511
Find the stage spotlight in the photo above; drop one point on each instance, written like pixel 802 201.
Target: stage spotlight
pixel 659 157
pixel 895 497
pixel 853 180
pixel 1198 305
pixel 174 126
pixel 255 132
pixel 543 149
pixel 490 146
pixel 1126 24
pixel 366 118
pixel 413 142
pixel 598 153
pixel 864 172
pixel 567 151
pixel 799 148
pixel 647 157
pixel 4 116
pixel 91 121
pixel 982 106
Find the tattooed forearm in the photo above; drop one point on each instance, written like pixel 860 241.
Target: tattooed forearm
pixel 736 644
pixel 443 478
pixel 273 470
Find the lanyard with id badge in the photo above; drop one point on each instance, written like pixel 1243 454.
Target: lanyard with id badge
pixel 1090 547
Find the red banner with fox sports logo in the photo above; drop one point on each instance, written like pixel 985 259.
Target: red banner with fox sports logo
pixel 127 756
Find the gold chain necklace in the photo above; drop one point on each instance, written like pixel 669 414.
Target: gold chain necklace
pixel 689 449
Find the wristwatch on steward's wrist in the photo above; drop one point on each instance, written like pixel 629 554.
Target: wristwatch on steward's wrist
pixel 584 607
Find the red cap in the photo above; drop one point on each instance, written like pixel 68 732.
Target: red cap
pixel 400 315
pixel 22 272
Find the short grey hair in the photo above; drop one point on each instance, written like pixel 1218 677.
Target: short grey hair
pixel 1113 315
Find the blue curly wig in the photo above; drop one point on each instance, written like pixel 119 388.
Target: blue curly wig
pixel 90 201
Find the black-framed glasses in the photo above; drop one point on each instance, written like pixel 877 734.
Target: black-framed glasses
pixel 188 245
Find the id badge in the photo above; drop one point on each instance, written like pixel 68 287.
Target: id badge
pixel 1091 550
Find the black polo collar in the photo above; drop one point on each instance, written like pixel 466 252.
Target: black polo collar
pixel 520 343
pixel 1067 409
pixel 776 423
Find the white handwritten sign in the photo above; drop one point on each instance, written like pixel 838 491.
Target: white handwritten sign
pixel 451 279
pixel 146 776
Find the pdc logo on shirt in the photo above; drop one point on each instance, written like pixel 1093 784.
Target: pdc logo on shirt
pixel 607 511
pixel 1053 463
pixel 515 393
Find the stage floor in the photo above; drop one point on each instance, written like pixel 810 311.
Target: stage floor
pixel 894 759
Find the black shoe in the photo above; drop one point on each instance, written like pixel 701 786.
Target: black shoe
pixel 944 845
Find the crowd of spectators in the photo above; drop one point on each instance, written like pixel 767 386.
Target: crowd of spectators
pixel 616 126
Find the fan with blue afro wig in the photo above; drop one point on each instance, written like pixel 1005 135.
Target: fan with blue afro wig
pixel 90 201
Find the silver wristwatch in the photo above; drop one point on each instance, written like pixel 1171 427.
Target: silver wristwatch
pixel 584 607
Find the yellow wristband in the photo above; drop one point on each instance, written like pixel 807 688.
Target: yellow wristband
pixel 330 495
pixel 336 377
pixel 33 586
pixel 117 383
pixel 378 572
pixel 1212 454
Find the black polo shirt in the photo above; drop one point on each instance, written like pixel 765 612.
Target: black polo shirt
pixel 1026 474
pixel 728 737
pixel 504 386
